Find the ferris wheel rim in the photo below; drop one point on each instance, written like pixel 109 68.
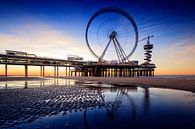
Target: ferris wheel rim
pixel 115 10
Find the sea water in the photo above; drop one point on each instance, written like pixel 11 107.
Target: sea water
pixel 70 104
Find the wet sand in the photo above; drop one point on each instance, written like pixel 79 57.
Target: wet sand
pixel 12 78
pixel 24 106
pixel 180 83
pixel 183 83
pixel 20 107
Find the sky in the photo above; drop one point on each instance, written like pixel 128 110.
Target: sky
pixel 57 28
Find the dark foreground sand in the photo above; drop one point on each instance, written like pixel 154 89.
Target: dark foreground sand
pixel 184 83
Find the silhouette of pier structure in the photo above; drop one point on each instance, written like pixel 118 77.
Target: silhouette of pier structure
pixel 27 61
pixel 75 68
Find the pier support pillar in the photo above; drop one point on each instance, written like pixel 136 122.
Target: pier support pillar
pixel 133 73
pixel 120 72
pixel 69 71
pixel 108 72
pixel 54 71
pixel 75 72
pixel 115 72
pixel 26 70
pixel 6 70
pixel 130 72
pixel 138 73
pixel 94 69
pixel 85 72
pixel 41 71
pixel 150 73
pixel 105 72
pixel 66 71
pixel 97 72
pixel 57 71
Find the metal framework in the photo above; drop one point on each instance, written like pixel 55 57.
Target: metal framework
pixel 122 56
pixel 118 48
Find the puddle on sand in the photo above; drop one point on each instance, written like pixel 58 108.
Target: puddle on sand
pixel 45 82
pixel 93 106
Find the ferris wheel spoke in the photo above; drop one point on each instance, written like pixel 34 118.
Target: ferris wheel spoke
pixel 117 51
pixel 121 50
pixel 101 57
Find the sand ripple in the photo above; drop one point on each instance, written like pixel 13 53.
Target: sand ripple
pixel 25 105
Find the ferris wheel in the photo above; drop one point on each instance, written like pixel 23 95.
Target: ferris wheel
pixel 111 34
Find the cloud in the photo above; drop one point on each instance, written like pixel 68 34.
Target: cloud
pixel 43 40
pixel 183 50
pixel 176 58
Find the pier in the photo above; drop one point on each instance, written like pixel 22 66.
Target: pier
pixel 76 68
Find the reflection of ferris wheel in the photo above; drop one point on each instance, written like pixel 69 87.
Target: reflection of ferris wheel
pixel 112 30
pixel 111 106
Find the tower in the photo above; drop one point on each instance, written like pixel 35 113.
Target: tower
pixel 147 68
pixel 148 51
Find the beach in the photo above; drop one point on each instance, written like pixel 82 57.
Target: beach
pixel 186 83
pixel 82 102
pixel 179 83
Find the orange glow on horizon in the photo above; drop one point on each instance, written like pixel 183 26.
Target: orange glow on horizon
pixel 14 70
pixel 174 72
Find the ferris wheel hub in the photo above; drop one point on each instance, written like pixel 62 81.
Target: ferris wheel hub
pixel 113 35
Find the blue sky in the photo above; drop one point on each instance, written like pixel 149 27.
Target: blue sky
pixel 57 28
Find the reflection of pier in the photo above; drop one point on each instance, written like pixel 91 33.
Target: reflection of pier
pixel 26 105
pixel 111 107
pixel 76 68
pixel 38 83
